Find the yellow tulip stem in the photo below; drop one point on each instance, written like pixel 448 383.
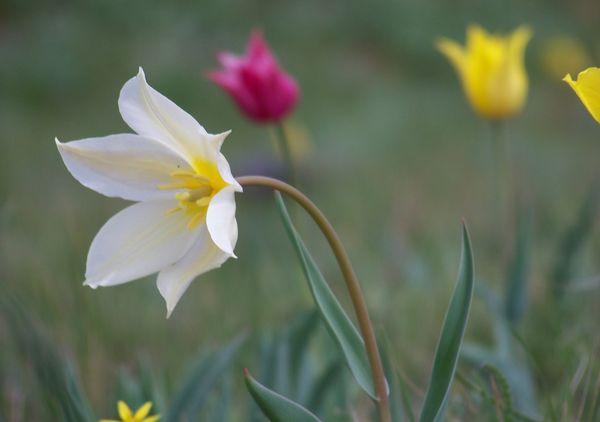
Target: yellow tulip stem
pixel 501 174
pixel 352 284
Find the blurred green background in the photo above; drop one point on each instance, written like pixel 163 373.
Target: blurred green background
pixel 392 153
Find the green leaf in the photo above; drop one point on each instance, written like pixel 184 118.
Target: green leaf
pixel 339 325
pixel 152 385
pixel 573 241
pixel 448 349
pixel 300 334
pixel 516 286
pixel 400 403
pixel 323 385
pixel 276 407
pixel 221 410
pixel 206 374
pixel 284 359
pixel 62 393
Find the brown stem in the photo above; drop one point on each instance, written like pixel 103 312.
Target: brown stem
pixel 352 284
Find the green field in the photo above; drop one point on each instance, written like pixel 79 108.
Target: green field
pixel 393 155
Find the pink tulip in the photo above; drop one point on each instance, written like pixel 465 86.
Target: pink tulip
pixel 260 88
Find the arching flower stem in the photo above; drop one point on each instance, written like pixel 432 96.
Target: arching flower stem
pixel 352 284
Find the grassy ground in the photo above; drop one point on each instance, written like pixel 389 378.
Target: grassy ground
pixel 395 158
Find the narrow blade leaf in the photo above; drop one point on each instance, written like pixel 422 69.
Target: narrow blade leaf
pixel 450 341
pixel 338 323
pixel 573 242
pixel 399 399
pixel 62 393
pixel 207 373
pixel 276 407
pixel 516 283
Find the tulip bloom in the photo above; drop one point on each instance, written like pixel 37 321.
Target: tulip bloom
pixel 256 82
pixel 184 223
pixel 127 415
pixel 491 70
pixel 562 54
pixel 587 88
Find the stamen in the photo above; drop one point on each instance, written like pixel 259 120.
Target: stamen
pixel 166 186
pixel 195 190
pixel 173 210
pixel 182 196
pixel 196 184
pixel 203 202
pixel 195 220
pixel 184 174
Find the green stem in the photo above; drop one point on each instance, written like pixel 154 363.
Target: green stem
pixel 352 284
pixel 500 177
pixel 284 145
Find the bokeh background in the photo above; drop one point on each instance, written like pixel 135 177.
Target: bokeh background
pixel 387 146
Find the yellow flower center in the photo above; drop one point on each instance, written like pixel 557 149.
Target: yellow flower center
pixel 196 187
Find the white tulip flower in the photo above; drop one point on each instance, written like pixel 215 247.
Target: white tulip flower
pixel 183 223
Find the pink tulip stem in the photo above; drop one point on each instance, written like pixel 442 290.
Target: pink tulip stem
pixel 286 153
pixel 352 284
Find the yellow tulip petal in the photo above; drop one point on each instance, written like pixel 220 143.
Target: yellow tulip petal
pixel 518 41
pixel 568 79
pixel 454 53
pixel 143 411
pixel 478 40
pixel 124 410
pixel 587 87
pixel 152 418
pixel 475 34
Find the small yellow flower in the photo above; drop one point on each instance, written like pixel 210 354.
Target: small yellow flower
pixel 587 87
pixel 562 54
pixel 140 415
pixel 491 69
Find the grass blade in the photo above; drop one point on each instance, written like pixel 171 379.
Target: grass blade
pixel 448 349
pixel 323 384
pixel 276 407
pixel 192 396
pixel 338 323
pixel 63 395
pixel 400 403
pixel 573 241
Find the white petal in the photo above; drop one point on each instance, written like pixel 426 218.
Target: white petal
pixel 203 256
pixel 151 114
pixel 225 172
pixel 127 166
pixel 220 220
pixel 140 240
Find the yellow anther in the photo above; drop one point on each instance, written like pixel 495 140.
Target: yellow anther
pixel 182 196
pixel 203 202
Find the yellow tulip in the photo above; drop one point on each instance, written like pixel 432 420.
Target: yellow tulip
pixel 563 54
pixel 491 70
pixel 587 87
